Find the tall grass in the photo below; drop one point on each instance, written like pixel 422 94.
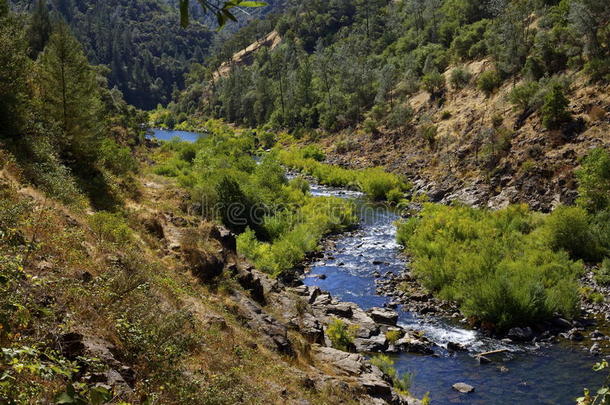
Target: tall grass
pixel 501 267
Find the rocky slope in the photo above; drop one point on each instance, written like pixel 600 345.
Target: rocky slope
pixel 485 153
pixel 243 336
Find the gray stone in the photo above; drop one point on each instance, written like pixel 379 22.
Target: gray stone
pixel 382 315
pixel 463 387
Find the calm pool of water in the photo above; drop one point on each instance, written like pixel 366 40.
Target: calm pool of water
pixel 166 135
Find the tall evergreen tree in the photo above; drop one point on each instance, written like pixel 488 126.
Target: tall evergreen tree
pixel 70 94
pixel 14 66
pixel 39 29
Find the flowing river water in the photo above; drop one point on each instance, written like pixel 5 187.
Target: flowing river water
pixel 526 374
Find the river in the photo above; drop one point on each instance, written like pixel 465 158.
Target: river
pixel 527 374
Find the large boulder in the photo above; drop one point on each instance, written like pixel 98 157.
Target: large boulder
pixel 204 265
pixel 383 315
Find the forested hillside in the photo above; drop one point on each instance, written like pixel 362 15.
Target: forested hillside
pixel 140 41
pixel 342 62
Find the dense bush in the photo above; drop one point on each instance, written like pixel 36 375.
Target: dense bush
pixel 496 265
pixel 594 180
pixel 489 81
pixel 340 335
pixel 433 83
pixel 522 95
pixel 111 228
pixel 569 229
pixel 459 78
pixel 555 108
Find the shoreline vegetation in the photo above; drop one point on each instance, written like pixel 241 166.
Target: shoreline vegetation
pixel 514 267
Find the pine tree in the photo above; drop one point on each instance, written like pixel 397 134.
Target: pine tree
pixel 3 8
pixel 554 110
pixel 14 70
pixel 39 29
pixel 70 95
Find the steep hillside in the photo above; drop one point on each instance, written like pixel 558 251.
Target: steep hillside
pixel 482 150
pixel 459 94
pixel 154 304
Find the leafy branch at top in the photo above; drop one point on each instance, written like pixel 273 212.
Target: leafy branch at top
pixel 223 13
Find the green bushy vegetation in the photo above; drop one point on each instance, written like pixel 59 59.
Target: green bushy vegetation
pixel 513 266
pixel 374 182
pixel 340 335
pixel 496 265
pixel 278 221
pixel 489 81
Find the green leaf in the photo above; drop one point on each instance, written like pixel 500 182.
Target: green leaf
pixel 99 395
pixel 252 4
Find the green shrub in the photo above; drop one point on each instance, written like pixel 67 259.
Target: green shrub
pixel 400 117
pixel 428 132
pixel 116 158
pixel 492 263
pixel 433 83
pixel 523 95
pixel 594 180
pixel 489 81
pixel 110 227
pixel 313 152
pixel 393 335
pixel 340 335
pixel 555 108
pixel 568 228
pixel 459 78
pixel 602 274
pixel 386 365
pixel 598 69
pixel 370 126
pixel 394 196
pixel 469 43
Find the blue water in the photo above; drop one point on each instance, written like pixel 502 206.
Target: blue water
pixel 553 374
pixel 166 135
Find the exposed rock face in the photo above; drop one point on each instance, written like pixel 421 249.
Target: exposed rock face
pixel 204 265
pixel 360 372
pixel 119 377
pixel 275 335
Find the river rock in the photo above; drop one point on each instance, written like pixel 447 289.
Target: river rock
pixel 411 345
pixel 377 343
pixel 521 334
pixel 595 349
pixel 463 387
pixel 341 309
pixel 455 347
pixel 382 315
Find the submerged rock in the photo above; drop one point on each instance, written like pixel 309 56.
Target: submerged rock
pixel 463 387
